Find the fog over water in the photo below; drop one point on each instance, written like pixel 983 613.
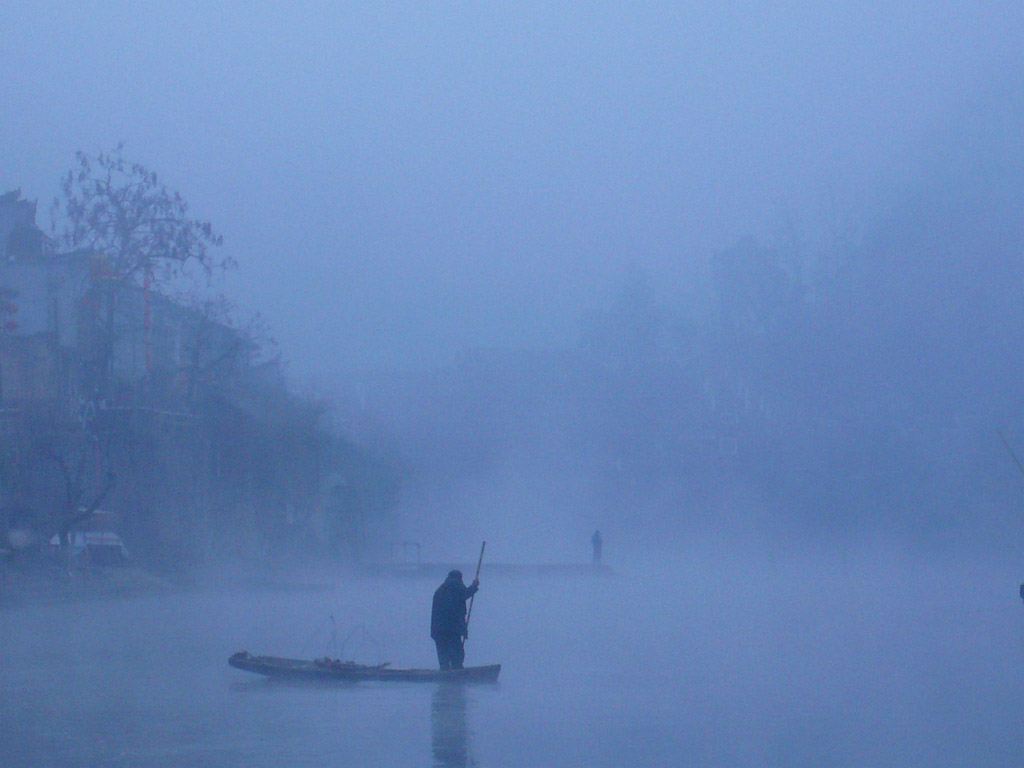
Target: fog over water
pixel 739 284
pixel 711 657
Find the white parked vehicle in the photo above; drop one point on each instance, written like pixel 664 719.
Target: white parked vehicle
pixel 96 538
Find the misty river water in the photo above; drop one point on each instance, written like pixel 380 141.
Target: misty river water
pixel 872 658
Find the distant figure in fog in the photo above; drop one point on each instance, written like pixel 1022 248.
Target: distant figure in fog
pixel 448 619
pixel 597 541
pixel 1022 591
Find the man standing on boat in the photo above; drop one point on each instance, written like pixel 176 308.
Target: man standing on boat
pixel 448 619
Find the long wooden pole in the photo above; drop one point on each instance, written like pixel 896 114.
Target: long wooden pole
pixel 475 578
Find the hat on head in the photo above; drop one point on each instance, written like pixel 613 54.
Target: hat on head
pixel 455 574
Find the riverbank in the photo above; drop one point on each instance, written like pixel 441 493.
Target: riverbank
pixel 37 582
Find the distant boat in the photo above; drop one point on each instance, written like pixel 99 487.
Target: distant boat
pixel 335 669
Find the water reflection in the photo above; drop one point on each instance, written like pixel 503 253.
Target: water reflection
pixel 449 729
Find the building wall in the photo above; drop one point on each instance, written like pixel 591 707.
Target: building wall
pixel 20 238
pixel 30 371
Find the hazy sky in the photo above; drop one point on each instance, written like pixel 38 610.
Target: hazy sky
pixel 400 180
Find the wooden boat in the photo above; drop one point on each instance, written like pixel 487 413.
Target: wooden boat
pixel 335 669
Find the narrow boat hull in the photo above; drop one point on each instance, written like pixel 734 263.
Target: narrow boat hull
pixel 332 669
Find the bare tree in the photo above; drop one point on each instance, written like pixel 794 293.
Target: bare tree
pixel 139 233
pixel 215 342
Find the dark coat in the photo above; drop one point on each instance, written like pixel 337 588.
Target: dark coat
pixel 448 612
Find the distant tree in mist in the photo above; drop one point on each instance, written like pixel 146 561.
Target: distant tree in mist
pixel 631 332
pixel 138 231
pixel 760 333
pixel 53 470
pixel 754 294
pixel 118 209
pixel 215 347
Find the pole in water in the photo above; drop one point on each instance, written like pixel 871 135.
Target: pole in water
pixel 475 578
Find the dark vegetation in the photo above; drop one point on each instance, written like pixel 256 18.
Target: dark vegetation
pixel 128 383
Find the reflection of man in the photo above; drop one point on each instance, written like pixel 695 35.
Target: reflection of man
pixel 449 730
pixel 448 619
pixel 597 541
